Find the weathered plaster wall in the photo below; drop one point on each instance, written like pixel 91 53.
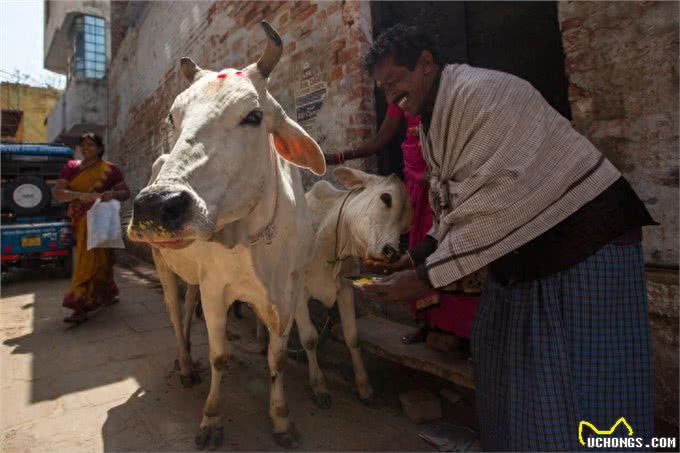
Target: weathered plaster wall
pixel 622 66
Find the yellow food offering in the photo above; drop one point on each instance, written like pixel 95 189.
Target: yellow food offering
pixel 363 281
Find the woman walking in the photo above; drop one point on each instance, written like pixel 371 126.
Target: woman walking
pixel 81 183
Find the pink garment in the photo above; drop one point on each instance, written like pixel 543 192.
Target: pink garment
pixel 455 313
pixel 415 168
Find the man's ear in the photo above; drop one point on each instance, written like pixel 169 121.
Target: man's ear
pixel 351 178
pixel 426 60
pixel 293 143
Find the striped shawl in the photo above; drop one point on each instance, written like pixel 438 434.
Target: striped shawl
pixel 504 168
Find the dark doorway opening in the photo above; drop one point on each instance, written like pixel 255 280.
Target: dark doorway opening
pixel 522 38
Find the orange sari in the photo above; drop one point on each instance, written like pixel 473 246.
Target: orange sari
pixel 92 284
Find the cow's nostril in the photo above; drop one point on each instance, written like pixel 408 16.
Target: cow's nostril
pixel 174 208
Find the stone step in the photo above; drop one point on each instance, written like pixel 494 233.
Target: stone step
pixel 382 337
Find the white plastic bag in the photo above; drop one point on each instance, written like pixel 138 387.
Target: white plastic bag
pixel 103 225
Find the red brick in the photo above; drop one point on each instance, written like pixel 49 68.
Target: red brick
pixel 570 23
pixel 307 12
pixel 335 7
pixel 346 55
pixel 336 74
pixel 284 19
pixel 289 48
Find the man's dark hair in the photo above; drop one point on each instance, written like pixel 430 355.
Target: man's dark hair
pixel 404 43
pixel 96 139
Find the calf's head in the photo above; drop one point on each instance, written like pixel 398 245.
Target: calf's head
pixel 376 215
pixel 226 126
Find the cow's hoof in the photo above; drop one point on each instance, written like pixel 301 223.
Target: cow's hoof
pixel 371 401
pixel 209 436
pixel 289 439
pixel 192 379
pixel 322 400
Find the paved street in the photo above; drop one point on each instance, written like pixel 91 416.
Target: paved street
pixel 110 384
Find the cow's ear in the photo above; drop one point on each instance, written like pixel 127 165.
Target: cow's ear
pixel 190 70
pixel 292 142
pixel 351 178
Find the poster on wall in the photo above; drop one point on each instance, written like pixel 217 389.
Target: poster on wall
pixel 310 91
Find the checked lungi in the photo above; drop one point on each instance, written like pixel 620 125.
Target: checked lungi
pixel 571 347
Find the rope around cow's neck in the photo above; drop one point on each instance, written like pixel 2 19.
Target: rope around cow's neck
pixel 269 231
pixel 336 258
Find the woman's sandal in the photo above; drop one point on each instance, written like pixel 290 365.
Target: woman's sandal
pixel 114 301
pixel 76 318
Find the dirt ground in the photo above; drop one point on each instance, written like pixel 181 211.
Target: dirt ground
pixel 110 384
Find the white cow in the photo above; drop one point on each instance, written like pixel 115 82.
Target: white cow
pixel 365 220
pixel 227 213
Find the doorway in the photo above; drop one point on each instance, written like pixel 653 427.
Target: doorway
pixel 521 38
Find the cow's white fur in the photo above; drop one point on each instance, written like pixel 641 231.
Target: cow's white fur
pixel 239 186
pixel 366 226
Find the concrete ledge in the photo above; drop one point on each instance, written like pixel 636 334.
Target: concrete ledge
pixel 382 337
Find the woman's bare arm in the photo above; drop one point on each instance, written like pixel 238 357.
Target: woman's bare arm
pixel 62 193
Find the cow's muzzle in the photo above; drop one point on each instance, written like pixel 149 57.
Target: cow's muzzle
pixel 161 211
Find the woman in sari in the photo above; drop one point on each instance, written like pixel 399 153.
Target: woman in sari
pixel 81 183
pixel 451 312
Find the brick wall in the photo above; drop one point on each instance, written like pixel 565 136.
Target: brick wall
pixel 322 43
pixel 621 60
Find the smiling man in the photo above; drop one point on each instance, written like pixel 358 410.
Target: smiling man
pixel 562 333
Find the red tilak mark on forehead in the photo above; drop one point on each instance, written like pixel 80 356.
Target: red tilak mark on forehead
pixel 222 75
pixel 239 73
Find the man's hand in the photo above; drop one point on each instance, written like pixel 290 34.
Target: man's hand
pixel 384 267
pixel 399 288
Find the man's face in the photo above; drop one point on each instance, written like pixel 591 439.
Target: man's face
pixel 408 88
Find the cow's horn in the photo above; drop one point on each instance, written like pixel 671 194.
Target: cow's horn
pixel 272 53
pixel 189 68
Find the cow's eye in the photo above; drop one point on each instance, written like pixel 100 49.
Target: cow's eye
pixel 171 121
pixel 254 118
pixel 387 199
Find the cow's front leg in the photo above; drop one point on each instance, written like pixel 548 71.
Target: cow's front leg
pixel 187 375
pixel 211 431
pixel 284 432
pixel 190 301
pixel 349 331
pixel 310 340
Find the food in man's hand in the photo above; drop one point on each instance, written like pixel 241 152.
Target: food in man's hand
pixel 363 281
